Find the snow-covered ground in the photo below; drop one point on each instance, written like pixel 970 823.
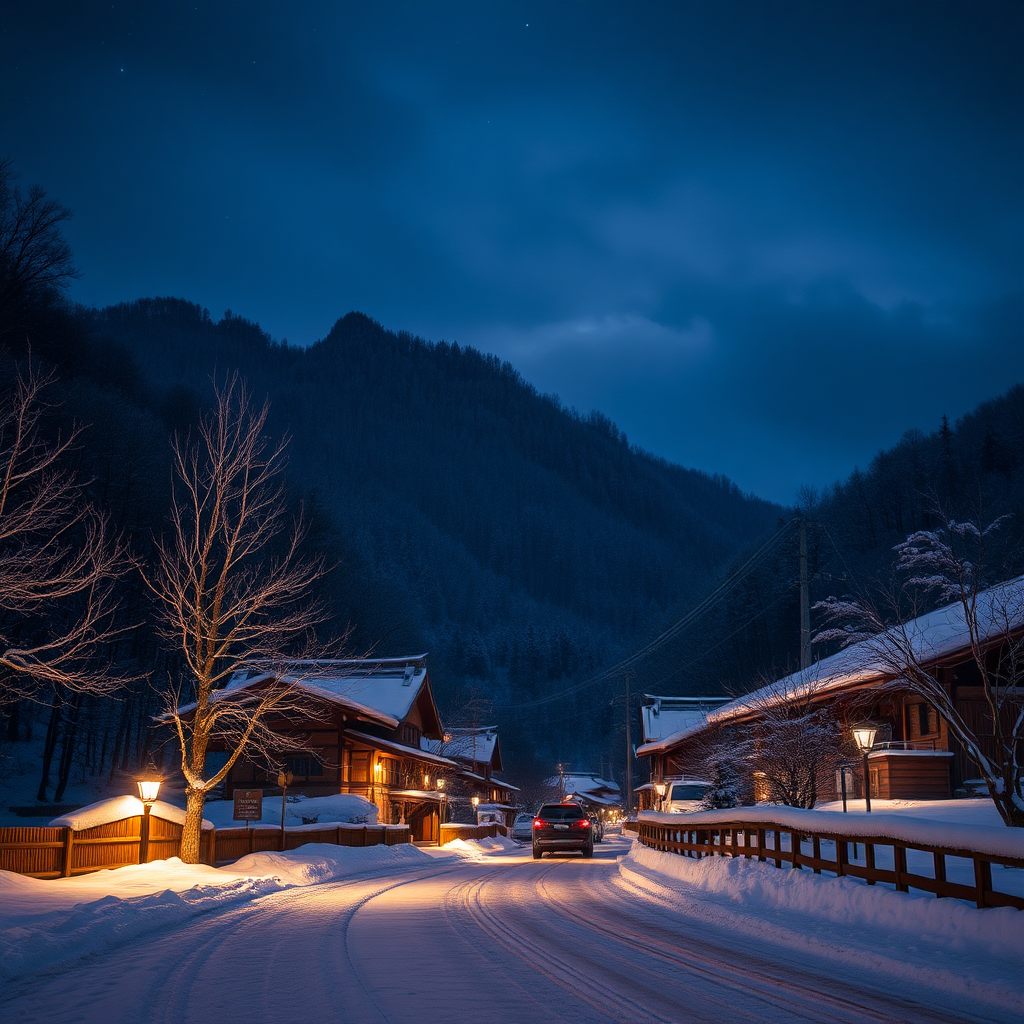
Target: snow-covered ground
pixel 481 930
pixel 44 922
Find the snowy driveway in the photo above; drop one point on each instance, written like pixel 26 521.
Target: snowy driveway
pixel 501 939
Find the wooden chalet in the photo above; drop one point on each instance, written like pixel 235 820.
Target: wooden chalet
pixel 364 734
pixel 914 756
pixel 477 754
pixel 661 717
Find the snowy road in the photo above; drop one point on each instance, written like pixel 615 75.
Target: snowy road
pixel 504 939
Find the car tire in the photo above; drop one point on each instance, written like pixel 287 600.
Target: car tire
pixel 588 851
pixel 536 854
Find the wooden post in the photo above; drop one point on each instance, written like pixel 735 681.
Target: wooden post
pixel 762 838
pixel 869 860
pixel 69 845
pixel 777 846
pixel 982 880
pixel 816 853
pixel 842 855
pixel 794 846
pixel 939 859
pixel 899 862
pixel 144 836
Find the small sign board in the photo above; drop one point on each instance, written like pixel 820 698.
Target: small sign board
pixel 248 805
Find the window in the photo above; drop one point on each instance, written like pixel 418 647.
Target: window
pixel 924 720
pixel 411 735
pixel 304 767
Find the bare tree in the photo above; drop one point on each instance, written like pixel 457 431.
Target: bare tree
pixel 57 558
pixel 233 591
pixel 35 259
pixel 952 563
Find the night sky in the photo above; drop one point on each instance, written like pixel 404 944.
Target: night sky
pixel 765 238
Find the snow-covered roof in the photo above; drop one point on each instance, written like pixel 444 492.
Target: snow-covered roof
pixel 467 744
pixel 400 748
pixel 492 781
pixel 664 716
pixel 117 808
pixel 589 786
pixel 381 689
pixel 933 638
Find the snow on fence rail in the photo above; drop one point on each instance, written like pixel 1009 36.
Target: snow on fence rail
pixel 63 851
pixel 759 833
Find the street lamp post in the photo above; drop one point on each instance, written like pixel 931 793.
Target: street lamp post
pixel 864 737
pixel 284 780
pixel 440 809
pixel 149 789
pixel 661 789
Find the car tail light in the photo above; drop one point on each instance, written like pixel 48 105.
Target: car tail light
pixel 583 823
pixel 538 822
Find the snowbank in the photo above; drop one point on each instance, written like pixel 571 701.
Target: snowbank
pixel 476 849
pixel 45 922
pixel 118 808
pixel 944 943
pixel 997 841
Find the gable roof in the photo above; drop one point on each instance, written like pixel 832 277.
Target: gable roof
pixel 383 690
pixel 665 716
pixel 478 745
pixel 934 637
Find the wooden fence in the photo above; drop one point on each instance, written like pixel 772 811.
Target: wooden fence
pixel 766 841
pixel 63 852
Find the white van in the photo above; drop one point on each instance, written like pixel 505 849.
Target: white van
pixel 684 796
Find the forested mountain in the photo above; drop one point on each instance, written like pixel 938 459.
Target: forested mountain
pixel 973 470
pixel 519 542
pixel 527 547
pixel 522 544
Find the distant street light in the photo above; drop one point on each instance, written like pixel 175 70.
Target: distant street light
pixel 864 736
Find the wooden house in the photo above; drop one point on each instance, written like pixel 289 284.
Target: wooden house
pixel 364 733
pixel 661 717
pixel 477 753
pixel 915 755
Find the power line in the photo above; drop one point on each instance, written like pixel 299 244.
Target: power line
pixel 676 628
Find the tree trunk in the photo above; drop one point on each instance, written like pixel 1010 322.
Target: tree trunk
pixel 192 830
pixel 67 756
pixel 48 748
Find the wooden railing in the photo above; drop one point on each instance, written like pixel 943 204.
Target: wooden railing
pixel 62 852
pixel 767 842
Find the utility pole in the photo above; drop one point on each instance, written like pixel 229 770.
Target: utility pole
pixel 629 753
pixel 805 601
pixel 561 782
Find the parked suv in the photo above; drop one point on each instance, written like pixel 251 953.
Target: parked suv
pixel 562 827
pixel 685 796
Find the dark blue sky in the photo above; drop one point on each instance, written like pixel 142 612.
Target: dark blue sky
pixel 765 238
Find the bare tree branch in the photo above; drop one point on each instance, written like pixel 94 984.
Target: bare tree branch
pixel 233 590
pixel 58 560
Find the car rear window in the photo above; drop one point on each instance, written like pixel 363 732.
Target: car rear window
pixel 688 792
pixel 561 812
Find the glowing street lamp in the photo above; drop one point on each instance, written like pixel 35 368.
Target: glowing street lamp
pixel 149 789
pixel 661 789
pixel 864 736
